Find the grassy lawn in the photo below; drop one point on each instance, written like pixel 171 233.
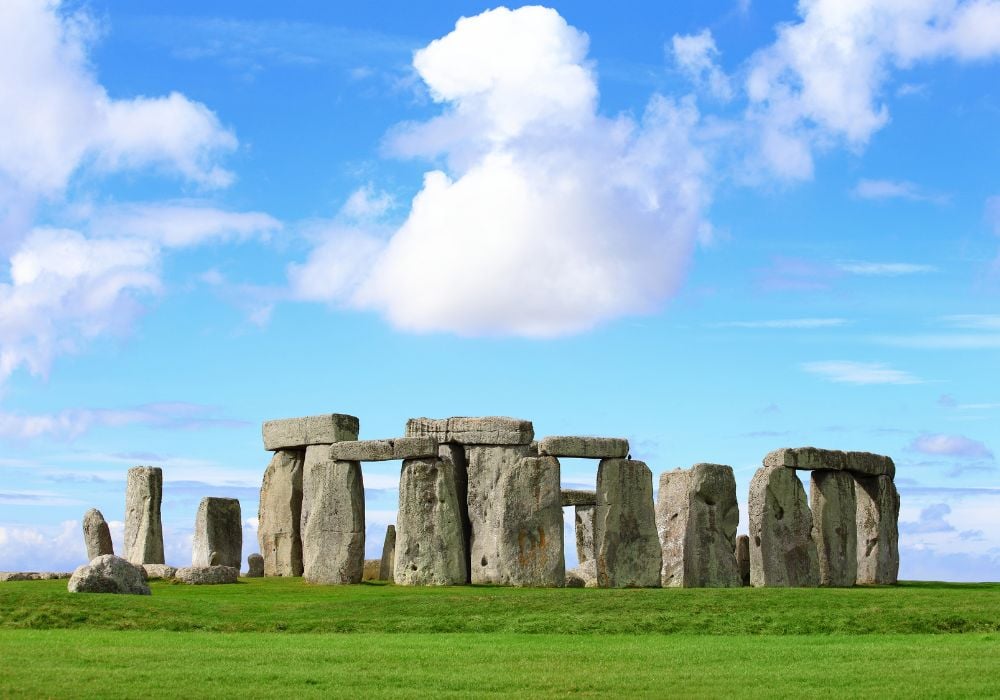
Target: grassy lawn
pixel 282 637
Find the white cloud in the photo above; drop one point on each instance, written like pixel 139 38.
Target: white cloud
pixel 846 372
pixel 951 446
pixel 895 189
pixel 695 55
pixel 57 548
pixel 984 322
pixel 804 323
pixel 549 220
pixel 179 224
pixel 874 269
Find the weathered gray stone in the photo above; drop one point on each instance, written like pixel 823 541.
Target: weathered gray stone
pixel 430 538
pixel 96 535
pixel 369 571
pixel 207 575
pixel 388 561
pixel 489 430
pixel 218 531
pixel 583 576
pixel 878 530
pixel 333 530
pixel 782 550
pixel 584 519
pixel 696 517
pixel 255 566
pixel 280 514
pixel 290 433
pixel 162 571
pixel 836 460
pixel 108 574
pixel 579 497
pixel 530 519
pixel 33 575
pixel 143 528
pixel 486 464
pixel 626 546
pixel 743 558
pixel 384 450
pixel 314 456
pixel 585 447
pixel 834 511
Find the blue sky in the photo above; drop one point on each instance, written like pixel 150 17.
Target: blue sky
pixel 715 230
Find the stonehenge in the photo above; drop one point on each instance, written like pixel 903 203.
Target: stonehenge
pixel 108 574
pixel 255 566
pixel 530 518
pixel 782 550
pixel 218 531
pixel 743 558
pixel 279 514
pixel 388 561
pixel 834 511
pixel 878 531
pixel 96 535
pixel 626 545
pixel 333 522
pixel 143 529
pixel 207 575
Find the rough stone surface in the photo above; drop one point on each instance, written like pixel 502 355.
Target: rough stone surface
pixel 530 519
pixel 388 561
pixel 430 538
pixel 696 518
pixel 370 570
pixel 108 574
pixel 314 455
pixel 583 576
pixel 579 497
pixel 289 433
pixel 143 528
pixel 782 550
pixel 33 575
pixel 813 458
pixel 255 566
pixel 280 514
pixel 584 521
pixel 333 530
pixel 384 450
pixel 585 447
pixel 489 430
pixel 834 511
pixel 743 558
pixel 878 530
pixel 218 531
pixel 207 575
pixel 154 571
pixel 96 535
pixel 485 466
pixel 626 545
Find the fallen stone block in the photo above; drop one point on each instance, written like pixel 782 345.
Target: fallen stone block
pixel 489 430
pixel 782 550
pixel 627 548
pixel 813 458
pixel 280 514
pixel 207 575
pixel 530 522
pixel 158 571
pixel 584 521
pixel 33 575
pixel 388 561
pixel 96 535
pixel 291 433
pixel 579 497
pixel 384 450
pixel 743 558
pixel 878 530
pixel 255 566
pixel 834 511
pixel 108 574
pixel 218 530
pixel 583 447
pixel 143 527
pixel 333 533
pixel 583 576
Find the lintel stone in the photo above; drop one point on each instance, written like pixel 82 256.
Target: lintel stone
pixel 488 430
pixel 287 433
pixel 384 450
pixel 864 463
pixel 578 497
pixel 585 447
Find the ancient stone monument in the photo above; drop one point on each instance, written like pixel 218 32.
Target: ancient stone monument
pixel 255 566
pixel 627 548
pixel 96 535
pixel 782 550
pixel 218 528
pixel 108 574
pixel 333 520
pixel 834 510
pixel 387 563
pixel 530 518
pixel 143 530
pixel 743 559
pixel 207 575
pixel 878 529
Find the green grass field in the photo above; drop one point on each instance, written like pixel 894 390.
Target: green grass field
pixel 282 637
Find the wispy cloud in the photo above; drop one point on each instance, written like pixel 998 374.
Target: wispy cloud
pixel 801 323
pixel 884 269
pixel 847 372
pixel 932 519
pixel 943 445
pixel 36 499
pixel 942 341
pixel 985 322
pixel 896 189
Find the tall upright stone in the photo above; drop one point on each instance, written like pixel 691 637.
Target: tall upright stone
pixel 280 513
pixel 333 528
pixel 530 519
pixel 696 517
pixel 388 561
pixel 782 550
pixel 430 535
pixel 834 511
pixel 218 530
pixel 626 545
pixel 584 520
pixel 143 528
pixel 878 530
pixel 743 558
pixel 96 535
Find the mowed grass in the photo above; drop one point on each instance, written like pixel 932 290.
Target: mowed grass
pixel 283 637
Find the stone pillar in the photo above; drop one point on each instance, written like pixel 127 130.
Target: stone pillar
pixel 143 529
pixel 96 535
pixel 782 550
pixel 255 566
pixel 280 514
pixel 626 545
pixel 218 531
pixel 743 559
pixel 834 511
pixel 878 529
pixel 530 518
pixel 333 527
pixel 388 562
pixel 584 519
pixel 696 518
pixel 430 536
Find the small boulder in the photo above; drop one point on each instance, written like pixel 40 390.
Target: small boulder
pixel 207 575
pixel 108 574
pixel 162 571
pixel 583 576
pixel 255 566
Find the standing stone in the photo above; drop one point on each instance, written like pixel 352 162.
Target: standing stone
pixel 878 530
pixel 530 519
pixel 280 514
pixel 96 535
pixel 486 464
pixel 218 533
pixel 834 511
pixel 782 550
pixel 626 545
pixel 743 558
pixel 333 531
pixel 430 537
pixel 584 519
pixel 108 574
pixel 696 517
pixel 143 529
pixel 370 570
pixel 388 561
pixel 255 566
